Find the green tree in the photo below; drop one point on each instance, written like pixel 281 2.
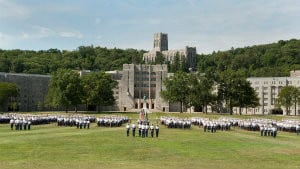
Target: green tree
pixel 201 91
pixel 246 95
pixel 288 96
pixel 7 91
pixel 296 98
pixel 98 89
pixel 65 89
pixel 176 89
pixel 235 90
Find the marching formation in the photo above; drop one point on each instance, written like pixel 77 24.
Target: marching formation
pixel 267 127
pixel 24 121
pixel 209 125
pixel 175 122
pixel 20 124
pixel 143 129
pixel 81 122
pixel 111 121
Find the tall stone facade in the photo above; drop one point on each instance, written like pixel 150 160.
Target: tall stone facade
pixel 160 42
pixel 161 45
pixel 267 89
pixel 33 90
pixel 139 82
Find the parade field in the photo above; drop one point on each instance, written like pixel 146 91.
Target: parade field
pixel 50 146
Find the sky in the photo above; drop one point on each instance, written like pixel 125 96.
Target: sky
pixel 208 25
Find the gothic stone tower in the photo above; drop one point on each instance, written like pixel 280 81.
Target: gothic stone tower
pixel 160 42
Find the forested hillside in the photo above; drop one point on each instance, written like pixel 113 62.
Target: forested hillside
pixel 85 57
pixel 275 59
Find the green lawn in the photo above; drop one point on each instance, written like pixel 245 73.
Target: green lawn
pixel 49 146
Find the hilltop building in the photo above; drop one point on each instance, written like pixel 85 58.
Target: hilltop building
pixel 161 45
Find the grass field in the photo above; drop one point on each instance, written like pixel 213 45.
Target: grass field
pixel 49 146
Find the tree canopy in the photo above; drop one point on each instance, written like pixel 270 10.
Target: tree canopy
pixel 176 89
pixel 288 96
pixel 84 57
pixel 7 90
pixel 67 89
pixel 98 89
pixel 275 59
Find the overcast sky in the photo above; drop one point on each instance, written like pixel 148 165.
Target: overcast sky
pixel 209 25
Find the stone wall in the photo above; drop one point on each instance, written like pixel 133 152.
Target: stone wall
pixel 33 90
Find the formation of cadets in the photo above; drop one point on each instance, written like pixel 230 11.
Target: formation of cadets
pixel 175 122
pixel 111 121
pixel 20 124
pixel 143 129
pixel 267 127
pixel 212 125
pixel 81 122
pixel 24 121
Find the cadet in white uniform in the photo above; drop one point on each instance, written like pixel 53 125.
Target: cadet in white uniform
pixel 298 129
pixel 12 124
pixel 133 129
pixel 127 129
pixel 143 130
pixel 156 130
pixel 152 130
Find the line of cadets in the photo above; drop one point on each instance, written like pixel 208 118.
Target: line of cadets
pixel 143 129
pixel 81 122
pixel 267 127
pixel 175 122
pixel 24 121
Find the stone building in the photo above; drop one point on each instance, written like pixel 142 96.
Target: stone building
pixel 141 81
pixel 267 89
pixel 135 82
pixel 33 90
pixel 161 45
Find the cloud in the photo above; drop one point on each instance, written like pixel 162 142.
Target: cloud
pixel 4 37
pixel 71 34
pixel 9 9
pixel 39 32
pixel 154 21
pixel 99 37
pixel 5 40
pixel 42 32
pixel 98 21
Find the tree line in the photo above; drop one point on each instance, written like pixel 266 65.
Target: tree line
pixel 222 91
pixel 275 59
pixel 83 58
pixel 200 90
pixel 69 89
